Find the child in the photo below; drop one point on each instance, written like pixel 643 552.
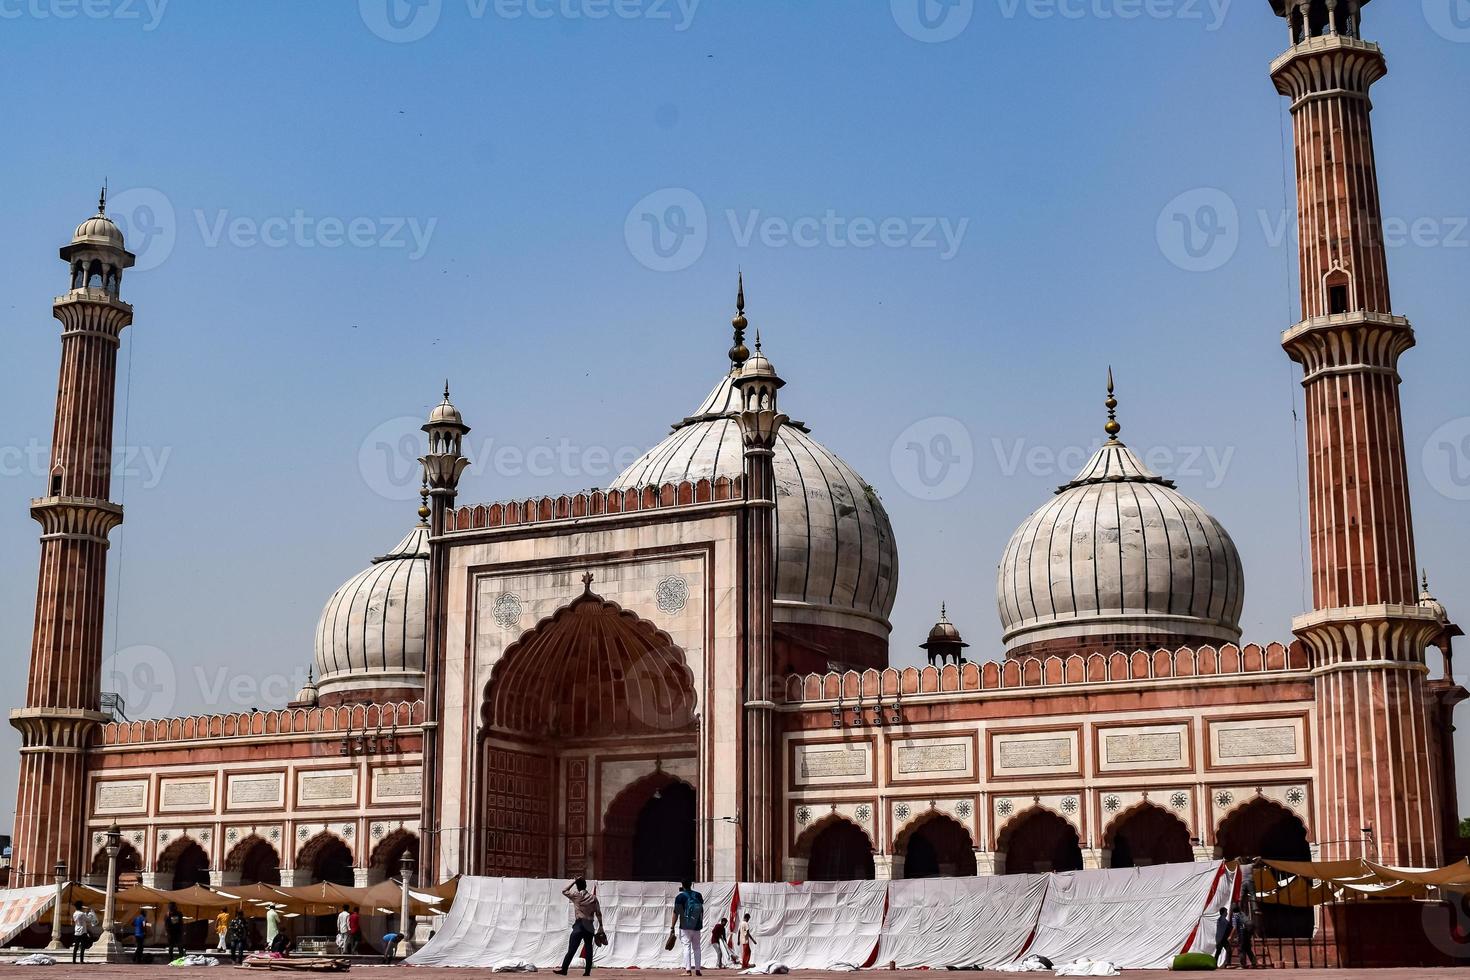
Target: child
pixel 747 940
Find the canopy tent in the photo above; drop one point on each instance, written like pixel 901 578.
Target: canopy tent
pixel 21 908
pixel 387 897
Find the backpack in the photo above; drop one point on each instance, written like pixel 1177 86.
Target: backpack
pixel 693 915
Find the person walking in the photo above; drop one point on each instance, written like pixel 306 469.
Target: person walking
pixel 222 928
pixel 1244 928
pixel 586 924
pixel 354 930
pixel 140 932
pixel 747 940
pixel 1222 938
pixel 342 921
pixel 173 927
pixel 689 921
pixel 83 921
pixel 719 938
pixel 239 933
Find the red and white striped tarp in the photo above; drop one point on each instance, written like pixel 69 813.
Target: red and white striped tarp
pixel 20 908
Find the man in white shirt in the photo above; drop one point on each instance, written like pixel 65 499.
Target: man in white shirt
pixel 344 926
pixel 83 921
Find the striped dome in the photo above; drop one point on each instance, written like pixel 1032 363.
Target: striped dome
pixel 1119 553
pixel 837 561
pixel 371 633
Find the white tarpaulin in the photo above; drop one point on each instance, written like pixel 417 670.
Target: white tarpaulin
pixel 940 922
pixel 497 921
pixel 22 907
pixel 814 925
pixel 1137 918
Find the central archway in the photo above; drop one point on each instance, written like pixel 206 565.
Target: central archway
pixel 255 861
pixel 1038 841
pixel 184 863
pixel 1264 828
pixel 649 833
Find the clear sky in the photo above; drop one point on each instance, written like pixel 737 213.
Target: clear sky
pixel 951 219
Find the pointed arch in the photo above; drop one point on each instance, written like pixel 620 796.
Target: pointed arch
pixel 129 865
pixel 836 849
pixel 327 857
pixel 638 819
pixel 1147 834
pixel 185 862
pixel 590 669
pixel 1037 839
pixel 935 844
pixel 1262 828
pixel 255 860
pixel 387 856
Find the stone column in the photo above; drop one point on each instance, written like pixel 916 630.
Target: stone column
pixel 990 862
pixel 795 868
pixel 887 867
pixel 1096 858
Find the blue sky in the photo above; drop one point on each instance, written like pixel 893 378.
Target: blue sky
pixel 949 227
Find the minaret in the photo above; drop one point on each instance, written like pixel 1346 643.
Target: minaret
pixel 760 421
pixel 63 693
pixel 1378 789
pixel 444 463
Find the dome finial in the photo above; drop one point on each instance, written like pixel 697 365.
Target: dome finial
pixel 1112 428
pixel 1424 579
pixel 943 613
pixel 102 198
pixel 446 389
pixel 738 352
pixel 424 511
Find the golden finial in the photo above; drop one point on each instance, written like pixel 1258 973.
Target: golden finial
pixel 424 505
pixel 739 352
pixel 1112 428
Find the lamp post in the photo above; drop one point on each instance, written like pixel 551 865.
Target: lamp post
pixel 405 945
pixel 56 911
pixel 108 940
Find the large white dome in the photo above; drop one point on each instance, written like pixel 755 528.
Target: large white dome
pixel 1118 559
pixel 370 639
pixel 837 561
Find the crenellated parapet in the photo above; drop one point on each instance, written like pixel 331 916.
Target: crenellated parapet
pixel 1228 661
pixel 279 721
pixel 596 503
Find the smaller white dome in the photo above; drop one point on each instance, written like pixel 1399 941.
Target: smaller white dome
pixel 98 230
pixel 371 632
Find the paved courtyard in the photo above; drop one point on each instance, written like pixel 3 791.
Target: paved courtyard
pixel 91 970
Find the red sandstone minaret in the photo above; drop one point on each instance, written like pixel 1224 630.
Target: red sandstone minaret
pixel 760 422
pixel 63 695
pixel 1378 793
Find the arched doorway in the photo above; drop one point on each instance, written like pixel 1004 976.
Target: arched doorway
pixel 183 863
pixel 838 851
pixel 327 858
pixel 256 862
pixel 649 833
pixel 596 675
pixel 387 857
pixel 937 847
pixel 1148 835
pixel 129 867
pixel 1039 841
pixel 1263 828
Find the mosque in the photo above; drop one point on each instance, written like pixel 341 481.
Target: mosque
pixel 687 672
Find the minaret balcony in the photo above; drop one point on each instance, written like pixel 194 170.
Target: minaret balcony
pixel 1348 342
pixel 1331 63
pixel 76 518
pixel 92 294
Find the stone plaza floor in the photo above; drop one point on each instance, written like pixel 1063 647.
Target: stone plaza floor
pixel 68 971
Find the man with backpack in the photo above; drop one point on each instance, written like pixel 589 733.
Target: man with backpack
pixel 689 921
